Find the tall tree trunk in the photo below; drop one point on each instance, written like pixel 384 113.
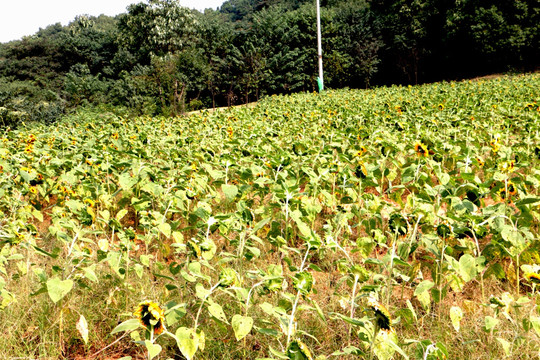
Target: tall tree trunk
pixel 176 102
pixel 181 100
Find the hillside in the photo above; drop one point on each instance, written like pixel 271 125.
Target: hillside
pixel 159 58
pixel 392 222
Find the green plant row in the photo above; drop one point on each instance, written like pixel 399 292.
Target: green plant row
pixel 312 226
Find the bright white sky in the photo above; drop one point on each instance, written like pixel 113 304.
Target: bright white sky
pixel 20 18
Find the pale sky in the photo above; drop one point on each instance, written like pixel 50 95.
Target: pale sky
pixel 20 18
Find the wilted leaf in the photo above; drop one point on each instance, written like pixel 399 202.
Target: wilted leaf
pixel 82 327
pixel 456 315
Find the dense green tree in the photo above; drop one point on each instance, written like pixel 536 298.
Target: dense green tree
pixel 215 37
pixel 159 27
pixel 353 51
pixel 160 57
pixel 491 36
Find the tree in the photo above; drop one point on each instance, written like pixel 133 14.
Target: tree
pixel 159 27
pixel 353 45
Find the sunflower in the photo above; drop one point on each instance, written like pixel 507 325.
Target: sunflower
pixel 507 166
pixel 195 249
pixel 443 230
pixel 297 350
pixel 151 316
pixel 533 277
pixel 496 301
pixel 31 139
pixel 361 171
pixel 33 190
pixel 512 190
pixel 398 224
pixel 89 202
pixel 502 193
pixel 421 149
pixel 480 162
pixel 382 316
pixel 227 277
pixel 115 136
pixel 362 151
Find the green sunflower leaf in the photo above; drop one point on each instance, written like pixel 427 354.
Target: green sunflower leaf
pixel 153 349
pixel 230 191
pixel 242 326
pixel 57 288
pixel 127 325
pixel 188 341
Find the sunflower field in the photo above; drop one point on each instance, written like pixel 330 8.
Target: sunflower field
pixel 390 223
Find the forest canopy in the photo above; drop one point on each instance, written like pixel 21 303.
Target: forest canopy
pixel 161 58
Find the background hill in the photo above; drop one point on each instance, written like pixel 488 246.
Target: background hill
pixel 161 58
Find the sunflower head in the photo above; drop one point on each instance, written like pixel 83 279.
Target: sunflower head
pixel 89 202
pixel 512 190
pixel 533 277
pixel 297 350
pixel 421 149
pixel 502 193
pixel 227 277
pixel 360 171
pixel 398 224
pixel 151 316
pixel 443 230
pixel 382 316
pixel 507 166
pixel 361 151
pixel 496 301
pixel 195 249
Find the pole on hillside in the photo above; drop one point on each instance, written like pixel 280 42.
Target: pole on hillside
pixel 320 79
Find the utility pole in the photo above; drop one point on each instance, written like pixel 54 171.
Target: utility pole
pixel 320 79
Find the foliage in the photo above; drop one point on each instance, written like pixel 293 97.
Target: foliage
pixel 159 57
pixel 351 223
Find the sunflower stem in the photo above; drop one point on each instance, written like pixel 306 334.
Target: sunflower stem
pixel 291 320
pixel 351 314
pixel 375 333
pixel 249 294
pixel 517 275
pixel 202 303
pixel 391 270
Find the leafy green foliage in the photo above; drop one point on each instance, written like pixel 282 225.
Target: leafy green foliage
pixel 162 58
pixel 253 228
